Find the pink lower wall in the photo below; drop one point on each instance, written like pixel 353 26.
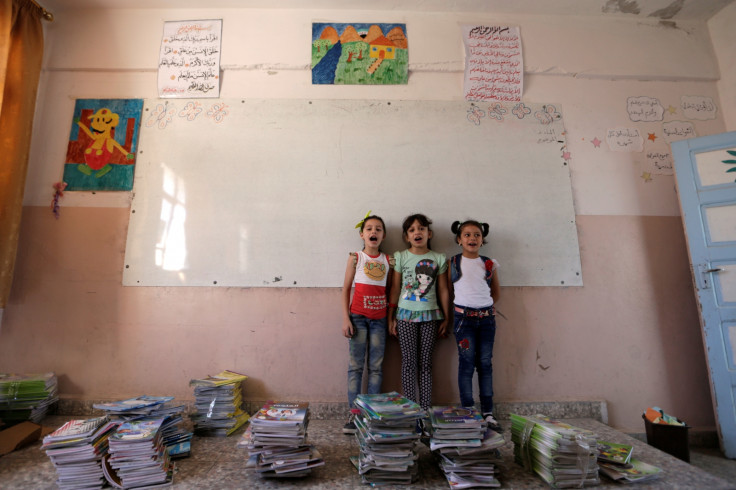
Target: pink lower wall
pixel 630 336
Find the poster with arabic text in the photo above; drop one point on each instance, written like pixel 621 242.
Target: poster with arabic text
pixel 189 63
pixel 494 67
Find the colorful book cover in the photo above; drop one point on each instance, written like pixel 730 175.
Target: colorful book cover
pixel 387 405
pixel 143 401
pixel 138 430
pixel 614 453
pixel 275 412
pixel 455 417
pixel 222 378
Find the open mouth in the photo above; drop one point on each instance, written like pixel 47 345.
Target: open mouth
pixel 373 239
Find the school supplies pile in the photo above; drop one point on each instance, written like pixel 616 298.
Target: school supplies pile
pixel 177 438
pixel 218 401
pixel 464 447
pixel 138 456
pixel 562 455
pixel 76 450
pixel 277 441
pixel 388 434
pixel 26 396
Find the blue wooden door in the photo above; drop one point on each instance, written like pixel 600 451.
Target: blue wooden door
pixel 706 181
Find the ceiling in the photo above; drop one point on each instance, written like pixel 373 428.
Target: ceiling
pixel 672 10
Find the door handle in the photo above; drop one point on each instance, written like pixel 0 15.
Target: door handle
pixel 717 269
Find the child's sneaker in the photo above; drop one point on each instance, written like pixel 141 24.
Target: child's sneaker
pixel 492 423
pixel 349 427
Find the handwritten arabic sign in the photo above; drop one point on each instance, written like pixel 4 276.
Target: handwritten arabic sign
pixel 189 63
pixel 494 69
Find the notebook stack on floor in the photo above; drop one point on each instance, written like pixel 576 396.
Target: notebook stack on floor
pixel 464 447
pixel 176 437
pixel 218 403
pixel 616 462
pixel 26 397
pixel 76 450
pixel 388 435
pixel 138 456
pixel 562 455
pixel 277 441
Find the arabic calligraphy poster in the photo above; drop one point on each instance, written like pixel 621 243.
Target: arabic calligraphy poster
pixel 189 63
pixel 359 54
pixel 494 68
pixel 102 145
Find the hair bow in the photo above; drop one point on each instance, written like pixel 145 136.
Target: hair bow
pixel 360 223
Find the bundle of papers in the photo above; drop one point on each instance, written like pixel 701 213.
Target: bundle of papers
pixel 562 455
pixel 135 407
pixel 218 401
pixel 138 456
pixel 277 441
pixel 464 447
pixel 76 450
pixel 26 396
pixel 388 434
pixel 635 471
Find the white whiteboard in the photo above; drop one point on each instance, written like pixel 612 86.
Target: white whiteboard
pixel 266 193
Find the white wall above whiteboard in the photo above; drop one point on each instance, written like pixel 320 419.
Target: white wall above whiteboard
pixel 266 193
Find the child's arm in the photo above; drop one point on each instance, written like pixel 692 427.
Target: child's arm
pixel 443 295
pixel 495 287
pixel 347 286
pixel 394 289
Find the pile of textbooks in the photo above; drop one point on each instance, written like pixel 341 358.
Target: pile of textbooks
pixel 26 397
pixel 562 455
pixel 464 447
pixel 277 441
pixel 177 439
pixel 138 456
pixel 615 461
pixel 218 401
pixel 76 450
pixel 388 434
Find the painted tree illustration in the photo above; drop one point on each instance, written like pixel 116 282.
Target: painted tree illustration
pixel 731 162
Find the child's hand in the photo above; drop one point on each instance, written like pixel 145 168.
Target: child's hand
pixel 442 331
pixel 347 330
pixel 392 327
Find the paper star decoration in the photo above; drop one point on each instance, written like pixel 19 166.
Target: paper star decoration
pixel 672 110
pixel 596 142
pixel 647 176
pixel 566 155
pixel 652 137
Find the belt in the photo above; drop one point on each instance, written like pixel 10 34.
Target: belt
pixel 471 312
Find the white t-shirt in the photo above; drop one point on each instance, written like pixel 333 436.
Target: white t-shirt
pixel 472 290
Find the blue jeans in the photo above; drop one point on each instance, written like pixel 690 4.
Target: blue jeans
pixel 370 336
pixel 475 336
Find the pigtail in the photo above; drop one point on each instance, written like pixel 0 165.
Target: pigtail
pixel 455 228
pixel 484 229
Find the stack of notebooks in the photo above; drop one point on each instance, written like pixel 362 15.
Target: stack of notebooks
pixel 388 434
pixel 464 447
pixel 177 438
pixel 76 450
pixel 277 441
pixel 562 455
pixel 26 397
pixel 138 457
pixel 218 403
pixel 615 462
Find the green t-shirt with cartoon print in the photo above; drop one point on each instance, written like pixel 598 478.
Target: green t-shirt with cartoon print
pixel 419 274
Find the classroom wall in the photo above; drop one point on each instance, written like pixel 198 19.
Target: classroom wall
pixel 629 336
pixel 724 39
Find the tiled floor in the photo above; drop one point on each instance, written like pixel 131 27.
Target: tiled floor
pixel 216 463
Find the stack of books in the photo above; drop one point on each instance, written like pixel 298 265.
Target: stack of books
pixel 277 441
pixel 138 457
pixel 615 462
pixel 388 434
pixel 176 437
pixel 76 450
pixel 26 397
pixel 562 455
pixel 464 447
pixel 218 401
